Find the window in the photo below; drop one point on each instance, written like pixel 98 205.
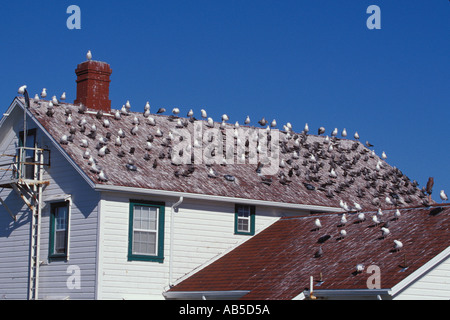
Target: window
pixel 146 231
pixel 28 155
pixel 59 230
pixel 244 219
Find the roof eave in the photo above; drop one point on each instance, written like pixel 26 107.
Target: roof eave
pixel 197 196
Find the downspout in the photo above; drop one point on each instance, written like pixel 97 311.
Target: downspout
pixel 172 215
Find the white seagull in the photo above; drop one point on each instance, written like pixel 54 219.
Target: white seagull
pixel 317 223
pixel 356 136
pixel 397 245
pixel 247 120
pixel 443 196
pixel 89 55
pixel 344 133
pixel 44 93
pixel 63 96
pixel 22 89
pixel 343 219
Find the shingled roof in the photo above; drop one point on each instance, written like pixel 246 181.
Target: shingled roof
pixel 361 176
pixel 278 262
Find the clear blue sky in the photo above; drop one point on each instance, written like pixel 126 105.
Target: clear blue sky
pixel 298 61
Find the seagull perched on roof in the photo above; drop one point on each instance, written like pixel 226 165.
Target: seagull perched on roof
pixel 357 206
pixel 385 232
pixel 190 113
pixel 175 111
pixel 204 114
pixel 247 120
pixel 22 89
pixel 317 224
pixel 161 110
pixel 368 144
pixel 273 124
pixel 225 117
pixel 443 196
pixel 334 133
pixel 89 55
pixel 63 96
pixel 263 122
pixel 306 129
pixel 102 176
pixel 343 219
pixel 356 136
pixel 398 245
pixel 383 156
pixel 318 253
pixel 320 131
pixel 44 93
pixel 344 133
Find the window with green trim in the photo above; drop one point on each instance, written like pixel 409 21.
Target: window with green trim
pixel 146 231
pixel 244 219
pixel 59 230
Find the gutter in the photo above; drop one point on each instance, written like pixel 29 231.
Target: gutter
pixel 342 293
pixel 197 196
pixel 172 222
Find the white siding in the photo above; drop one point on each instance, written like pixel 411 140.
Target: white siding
pixel 434 285
pixel 15 236
pixel 203 230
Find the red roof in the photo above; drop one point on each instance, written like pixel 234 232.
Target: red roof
pixel 278 262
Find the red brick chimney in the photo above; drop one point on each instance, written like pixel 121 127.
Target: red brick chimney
pixel 93 85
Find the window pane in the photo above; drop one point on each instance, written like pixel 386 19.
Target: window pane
pixel 145 230
pixel 243 225
pixel 60 216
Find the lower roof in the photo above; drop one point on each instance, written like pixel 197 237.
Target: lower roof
pixel 278 262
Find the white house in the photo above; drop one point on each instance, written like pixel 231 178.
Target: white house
pixel 99 203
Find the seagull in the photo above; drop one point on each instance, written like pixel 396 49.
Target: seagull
pixel 212 173
pixel 158 133
pixel 118 142
pixel 147 106
pixel 36 97
pixel 204 114
pixel 210 122
pixel 22 89
pixel 361 217
pixel 344 133
pixel 190 113
pixel 44 93
pixel 321 131
pixel 128 105
pixel 343 233
pixel 64 140
pixel 123 110
pixel 135 120
pixel 102 176
pixel 273 124
pixel 151 121
pixel 334 133
pixel 102 151
pixel 375 220
pixel 247 120
pixel 379 212
pixel 69 119
pixel 262 122
pixel 106 123
pixel 161 110
pixel 175 111
pixel 225 117
pixel 84 143
pixel 333 173
pixel 357 206
pixel 397 245
pixel 443 196
pixel 383 156
pixel 369 145
pixel 343 219
pixel 389 201
pixel 385 232
pixel 356 136
pixel 306 129
pixel 359 268
pixel 89 55
pixel 134 130
pixel 397 214
pixel 317 223
pixel 121 133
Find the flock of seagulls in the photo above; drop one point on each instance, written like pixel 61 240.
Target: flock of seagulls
pixel 379 220
pixel 328 165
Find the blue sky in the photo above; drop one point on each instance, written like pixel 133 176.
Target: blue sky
pixel 311 62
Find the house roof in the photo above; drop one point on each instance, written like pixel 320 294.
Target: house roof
pixel 277 263
pixel 358 178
